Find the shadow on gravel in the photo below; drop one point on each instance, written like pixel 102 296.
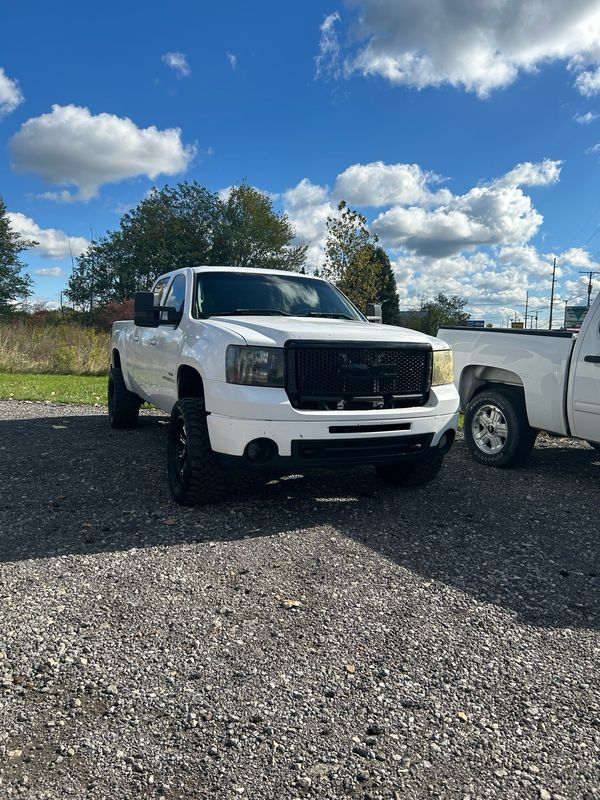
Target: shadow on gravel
pixel 526 540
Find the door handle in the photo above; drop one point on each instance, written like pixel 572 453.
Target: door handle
pixel 135 338
pixel 153 341
pixel 592 359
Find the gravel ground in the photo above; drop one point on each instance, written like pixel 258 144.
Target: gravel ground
pixel 319 636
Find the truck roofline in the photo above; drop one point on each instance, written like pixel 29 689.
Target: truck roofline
pixel 251 270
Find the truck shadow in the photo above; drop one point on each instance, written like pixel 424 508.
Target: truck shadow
pixel 525 540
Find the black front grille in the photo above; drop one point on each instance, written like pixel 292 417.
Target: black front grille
pixel 355 375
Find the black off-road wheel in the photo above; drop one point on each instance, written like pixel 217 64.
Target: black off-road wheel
pixel 123 405
pixel 411 473
pixel 195 477
pixel 496 429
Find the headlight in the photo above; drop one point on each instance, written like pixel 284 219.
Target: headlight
pixel 443 367
pixel 254 366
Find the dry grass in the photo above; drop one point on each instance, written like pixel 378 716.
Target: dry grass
pixel 63 349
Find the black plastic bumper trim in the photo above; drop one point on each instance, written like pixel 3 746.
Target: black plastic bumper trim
pixel 397 426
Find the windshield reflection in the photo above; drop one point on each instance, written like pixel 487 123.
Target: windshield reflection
pixel 225 293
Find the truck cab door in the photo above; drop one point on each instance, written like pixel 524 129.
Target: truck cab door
pixel 140 349
pixel 165 344
pixel 584 389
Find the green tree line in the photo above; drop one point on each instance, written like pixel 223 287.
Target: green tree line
pixel 186 225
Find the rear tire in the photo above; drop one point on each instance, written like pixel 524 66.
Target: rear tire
pixel 195 477
pixel 411 473
pixel 123 405
pixel 496 429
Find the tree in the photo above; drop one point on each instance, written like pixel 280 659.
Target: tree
pixel 432 314
pixel 350 261
pixel 183 226
pixel 172 227
pixel 387 289
pixel 251 234
pixel 13 284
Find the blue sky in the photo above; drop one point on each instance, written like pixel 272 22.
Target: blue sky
pixel 462 135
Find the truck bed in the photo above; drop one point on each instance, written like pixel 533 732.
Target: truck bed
pixel 536 360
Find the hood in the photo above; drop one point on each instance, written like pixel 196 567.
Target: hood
pixel 270 331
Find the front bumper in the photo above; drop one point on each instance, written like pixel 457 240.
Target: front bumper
pixel 317 438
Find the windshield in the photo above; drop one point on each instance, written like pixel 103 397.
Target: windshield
pixel 239 293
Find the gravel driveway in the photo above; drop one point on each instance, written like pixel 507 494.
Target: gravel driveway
pixel 318 636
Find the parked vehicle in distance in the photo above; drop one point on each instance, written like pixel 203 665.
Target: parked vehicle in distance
pixel 272 370
pixel 515 383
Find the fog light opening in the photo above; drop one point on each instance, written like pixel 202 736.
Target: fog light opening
pixel 446 440
pixel 260 451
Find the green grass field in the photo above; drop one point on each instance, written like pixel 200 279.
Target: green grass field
pixel 80 389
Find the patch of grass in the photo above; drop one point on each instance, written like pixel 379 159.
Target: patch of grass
pixel 61 349
pixel 79 389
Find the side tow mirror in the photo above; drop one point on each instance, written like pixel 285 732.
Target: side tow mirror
pixel 374 313
pixel 145 313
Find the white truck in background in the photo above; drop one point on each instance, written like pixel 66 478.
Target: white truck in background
pixel 265 369
pixel 515 383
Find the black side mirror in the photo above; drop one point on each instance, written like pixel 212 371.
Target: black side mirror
pixel 373 313
pixel 148 315
pixel 145 313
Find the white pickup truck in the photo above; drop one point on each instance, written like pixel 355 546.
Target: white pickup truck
pixel 515 383
pixel 278 371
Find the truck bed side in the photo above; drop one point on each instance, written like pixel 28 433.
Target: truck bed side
pixel 537 361
pixel 119 350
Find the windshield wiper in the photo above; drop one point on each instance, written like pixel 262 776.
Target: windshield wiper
pixel 330 314
pixel 262 312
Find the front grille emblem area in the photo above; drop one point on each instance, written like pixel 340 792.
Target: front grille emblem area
pixel 359 370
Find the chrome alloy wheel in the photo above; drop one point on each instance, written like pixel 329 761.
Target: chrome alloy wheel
pixel 489 429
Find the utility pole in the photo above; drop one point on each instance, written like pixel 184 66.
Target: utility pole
pixel 552 295
pixel 526 307
pixel 591 274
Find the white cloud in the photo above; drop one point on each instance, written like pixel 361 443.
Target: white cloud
pixel 11 95
pixel 378 184
pixel 50 272
pixel 178 63
pixel 585 119
pixel 578 257
pixel 329 47
pixel 588 82
pixel 52 243
pixel 41 304
pixel 308 205
pixel 477 244
pixel 225 193
pixel 479 46
pixel 483 216
pixel 70 146
pixel 232 58
pixel 541 173
pixel 524 259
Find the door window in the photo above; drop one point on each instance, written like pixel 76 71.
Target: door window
pixel 176 296
pixel 158 289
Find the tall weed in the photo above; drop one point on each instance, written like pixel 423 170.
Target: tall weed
pixel 64 349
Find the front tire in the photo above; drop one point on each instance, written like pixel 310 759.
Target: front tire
pixel 195 477
pixel 123 405
pixel 411 473
pixel 496 429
